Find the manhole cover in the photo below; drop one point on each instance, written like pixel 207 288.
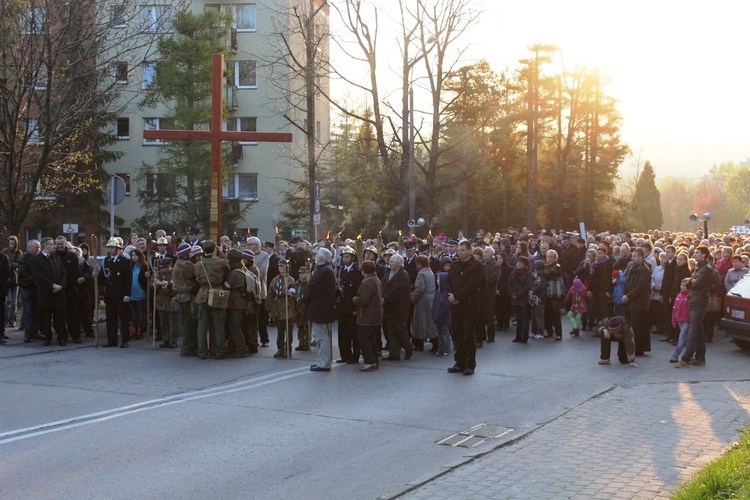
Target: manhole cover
pixel 474 436
pixel 488 431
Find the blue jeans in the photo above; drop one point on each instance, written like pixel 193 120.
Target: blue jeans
pixel 444 339
pixel 684 328
pixel 138 314
pixel 10 305
pixel 30 317
pixel 696 342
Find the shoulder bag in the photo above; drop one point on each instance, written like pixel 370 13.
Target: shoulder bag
pixel 217 297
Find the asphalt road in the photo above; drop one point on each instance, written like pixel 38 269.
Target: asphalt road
pixel 140 422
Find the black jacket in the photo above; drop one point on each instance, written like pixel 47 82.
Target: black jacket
pixel 25 278
pixel 70 263
pixel 4 274
pixel 396 295
pixel 320 296
pixel 465 283
pixel 117 277
pixel 638 287
pixel 349 282
pixel 48 271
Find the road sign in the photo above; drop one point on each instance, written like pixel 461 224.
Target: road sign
pixel 70 228
pixel 302 233
pixel 120 190
pixel 316 219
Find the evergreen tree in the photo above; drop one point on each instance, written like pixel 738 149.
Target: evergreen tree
pixel 647 201
pixel 177 191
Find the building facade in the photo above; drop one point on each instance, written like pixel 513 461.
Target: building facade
pixel 259 96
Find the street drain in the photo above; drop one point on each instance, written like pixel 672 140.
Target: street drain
pixel 474 436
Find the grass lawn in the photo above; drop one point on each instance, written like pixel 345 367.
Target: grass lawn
pixel 724 478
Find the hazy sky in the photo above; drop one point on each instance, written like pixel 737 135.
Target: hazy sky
pixel 679 69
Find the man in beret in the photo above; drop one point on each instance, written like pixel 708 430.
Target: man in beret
pixel 185 286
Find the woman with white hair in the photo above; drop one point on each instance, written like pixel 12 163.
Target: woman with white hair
pixel 320 297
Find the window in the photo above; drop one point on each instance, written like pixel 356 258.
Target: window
pixel 244 74
pixel 118 16
pixel 242 124
pixel 121 72
pixel 157 124
pixel 160 186
pixel 41 191
pixel 243 187
pixel 244 15
pixel 149 74
pixel 123 128
pixel 126 178
pixel 32 21
pixel 317 132
pixel 156 18
pixel 32 130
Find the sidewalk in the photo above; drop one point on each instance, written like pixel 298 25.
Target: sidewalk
pixel 593 452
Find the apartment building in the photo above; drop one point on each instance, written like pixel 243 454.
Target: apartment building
pixel 255 100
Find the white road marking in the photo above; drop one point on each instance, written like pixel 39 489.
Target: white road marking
pixel 122 411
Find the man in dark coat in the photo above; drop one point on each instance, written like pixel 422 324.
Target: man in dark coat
pixel 636 294
pixel 320 297
pixel 348 283
pixel 117 273
pixel 396 302
pixel 463 286
pixel 51 280
pixel 4 277
pixel 70 262
pixel 29 295
pixel 669 263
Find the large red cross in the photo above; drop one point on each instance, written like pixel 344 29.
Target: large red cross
pixel 217 136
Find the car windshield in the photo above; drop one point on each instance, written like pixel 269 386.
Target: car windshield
pixel 742 288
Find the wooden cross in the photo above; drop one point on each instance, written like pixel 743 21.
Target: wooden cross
pixel 217 136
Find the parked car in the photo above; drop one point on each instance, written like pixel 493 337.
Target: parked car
pixel 736 320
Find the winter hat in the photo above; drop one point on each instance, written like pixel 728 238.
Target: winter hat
pixel 578 286
pixel 614 324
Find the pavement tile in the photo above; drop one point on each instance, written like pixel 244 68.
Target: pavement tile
pixel 680 428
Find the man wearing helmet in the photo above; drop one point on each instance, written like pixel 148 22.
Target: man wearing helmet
pixel 117 274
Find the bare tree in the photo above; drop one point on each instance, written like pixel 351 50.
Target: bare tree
pixel 442 24
pixel 63 81
pixel 299 65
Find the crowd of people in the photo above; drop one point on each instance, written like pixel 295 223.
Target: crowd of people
pixel 389 300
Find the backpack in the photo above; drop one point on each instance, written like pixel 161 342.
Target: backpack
pixel 251 285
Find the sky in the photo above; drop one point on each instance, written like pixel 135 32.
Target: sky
pixel 679 70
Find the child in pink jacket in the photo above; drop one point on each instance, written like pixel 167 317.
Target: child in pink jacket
pixel 577 297
pixel 681 318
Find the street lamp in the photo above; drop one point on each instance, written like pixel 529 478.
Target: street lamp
pixel 704 219
pixel 418 223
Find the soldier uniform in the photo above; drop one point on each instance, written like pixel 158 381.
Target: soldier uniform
pixel 303 330
pixel 280 302
pixel 184 284
pixel 210 273
pixel 164 290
